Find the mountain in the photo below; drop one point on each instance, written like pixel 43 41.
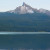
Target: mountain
pixel 44 11
pixel 25 19
pixel 24 9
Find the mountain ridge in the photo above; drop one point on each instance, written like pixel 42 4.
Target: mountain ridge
pixel 24 9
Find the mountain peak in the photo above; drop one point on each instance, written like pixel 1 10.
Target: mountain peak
pixel 25 8
pixel 24 4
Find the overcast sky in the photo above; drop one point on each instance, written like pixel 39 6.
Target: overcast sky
pixel 6 5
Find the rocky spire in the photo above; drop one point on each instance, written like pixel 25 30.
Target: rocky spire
pixel 24 4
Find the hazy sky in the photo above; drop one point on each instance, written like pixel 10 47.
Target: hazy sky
pixel 6 5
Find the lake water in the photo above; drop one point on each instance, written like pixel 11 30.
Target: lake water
pixel 26 40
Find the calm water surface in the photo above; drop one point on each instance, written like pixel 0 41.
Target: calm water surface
pixel 33 40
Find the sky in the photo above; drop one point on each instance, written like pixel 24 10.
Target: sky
pixel 6 5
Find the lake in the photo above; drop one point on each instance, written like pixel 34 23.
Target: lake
pixel 25 40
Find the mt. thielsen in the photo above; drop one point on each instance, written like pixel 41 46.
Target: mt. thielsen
pixel 25 19
pixel 24 9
